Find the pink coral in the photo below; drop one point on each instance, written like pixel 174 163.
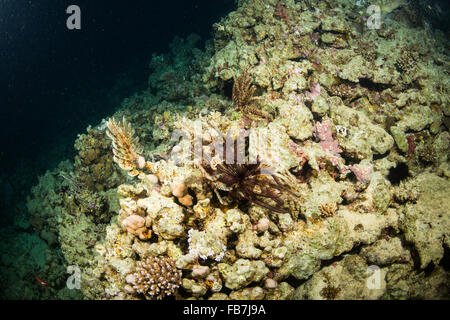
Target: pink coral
pixel 331 147
pixel 315 91
pixel 322 131
pixel 134 222
pixel 136 225
pixel 296 149
pixel 362 174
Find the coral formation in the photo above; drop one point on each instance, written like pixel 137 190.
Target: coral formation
pixel 407 61
pixel 156 277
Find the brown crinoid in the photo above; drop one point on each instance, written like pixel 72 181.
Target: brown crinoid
pixel 243 91
pixel 254 182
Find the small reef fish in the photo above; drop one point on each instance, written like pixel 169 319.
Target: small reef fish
pixel 41 282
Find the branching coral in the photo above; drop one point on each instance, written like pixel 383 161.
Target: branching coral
pixel 312 185
pixel 156 277
pixel 127 152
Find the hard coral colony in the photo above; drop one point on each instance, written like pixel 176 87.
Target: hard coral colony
pixel 314 114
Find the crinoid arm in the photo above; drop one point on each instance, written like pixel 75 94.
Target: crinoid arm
pixel 242 94
pixel 243 90
pixel 126 149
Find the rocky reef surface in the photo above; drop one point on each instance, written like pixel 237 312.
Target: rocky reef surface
pixel 350 126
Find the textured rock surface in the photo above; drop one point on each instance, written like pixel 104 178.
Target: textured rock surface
pixel 426 223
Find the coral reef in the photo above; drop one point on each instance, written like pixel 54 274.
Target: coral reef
pixel 299 156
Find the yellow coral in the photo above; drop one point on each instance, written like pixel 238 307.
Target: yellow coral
pixel 127 152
